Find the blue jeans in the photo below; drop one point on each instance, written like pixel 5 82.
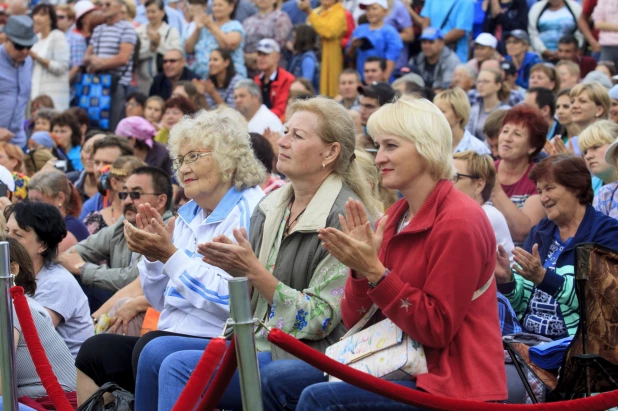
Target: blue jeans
pixel 22 407
pixel 283 382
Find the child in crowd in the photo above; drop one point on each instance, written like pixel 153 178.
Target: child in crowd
pixel 153 110
pixel 42 119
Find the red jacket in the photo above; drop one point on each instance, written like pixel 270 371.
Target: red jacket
pixel 279 91
pixel 437 262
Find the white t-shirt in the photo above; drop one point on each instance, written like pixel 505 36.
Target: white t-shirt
pixel 59 291
pixel 501 229
pixel 263 119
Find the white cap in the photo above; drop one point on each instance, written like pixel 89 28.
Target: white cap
pixel 366 3
pixel 486 39
pixel 82 7
pixel 6 177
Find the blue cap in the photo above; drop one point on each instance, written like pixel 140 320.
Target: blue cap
pixel 613 93
pixel 43 138
pixel 431 33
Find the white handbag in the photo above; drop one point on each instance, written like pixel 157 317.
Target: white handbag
pixel 383 350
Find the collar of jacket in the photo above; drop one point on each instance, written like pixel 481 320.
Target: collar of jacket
pixel 547 228
pixel 188 211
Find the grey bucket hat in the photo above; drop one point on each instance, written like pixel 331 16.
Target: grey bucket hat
pixel 19 30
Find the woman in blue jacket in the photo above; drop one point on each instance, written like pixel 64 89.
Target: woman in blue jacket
pixel 541 285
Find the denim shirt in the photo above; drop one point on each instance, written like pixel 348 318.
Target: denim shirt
pixel 15 85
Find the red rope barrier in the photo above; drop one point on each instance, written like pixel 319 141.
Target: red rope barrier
pixel 409 396
pixel 222 379
pixel 39 358
pixel 201 375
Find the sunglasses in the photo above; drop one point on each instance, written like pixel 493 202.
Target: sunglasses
pixel 171 61
pixel 19 47
pixel 135 195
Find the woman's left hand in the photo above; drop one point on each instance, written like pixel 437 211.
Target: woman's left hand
pixel 238 260
pixel 529 265
pixel 151 237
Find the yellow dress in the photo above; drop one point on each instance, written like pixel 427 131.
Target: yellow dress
pixel 331 26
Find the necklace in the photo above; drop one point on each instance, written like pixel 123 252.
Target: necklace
pixel 288 224
pixel 113 218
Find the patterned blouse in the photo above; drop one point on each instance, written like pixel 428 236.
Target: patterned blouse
pixel 274 25
pixel 308 314
pixel 207 43
pixel 606 200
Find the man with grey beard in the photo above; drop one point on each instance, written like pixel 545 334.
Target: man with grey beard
pixel 103 263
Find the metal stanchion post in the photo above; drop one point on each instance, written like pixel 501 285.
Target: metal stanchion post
pixel 7 346
pixel 248 371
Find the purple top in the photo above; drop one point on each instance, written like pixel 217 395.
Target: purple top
pixel 76 227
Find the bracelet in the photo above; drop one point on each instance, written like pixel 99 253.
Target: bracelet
pixel 374 285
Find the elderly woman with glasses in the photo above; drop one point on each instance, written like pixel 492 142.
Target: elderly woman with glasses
pixel 215 165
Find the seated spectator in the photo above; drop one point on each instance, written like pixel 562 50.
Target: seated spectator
pixel 40 102
pixel 84 181
pixel 569 130
pixel 515 95
pixel 568 73
pixel 375 38
pixel 507 14
pixel 175 109
pixel 453 103
pixel 156 38
pixel 509 71
pixel 541 285
pixel 484 49
pixel 40 228
pixel 248 101
pixel 153 111
pixel 475 175
pixel 594 142
pixel 436 63
pixel 68 136
pixel 304 62
pixel 273 81
pixel 522 137
pixel 372 97
pixel 599 77
pixel 188 90
pixel 82 119
pixel 491 130
pixel 174 70
pixel 40 146
pixel 263 150
pixel 493 94
pixel 103 261
pixel 42 119
pixel 589 103
pixel 62 363
pixel 464 78
pixel 568 49
pixel 549 21
pixel 222 186
pixel 134 106
pixel 11 157
pixel 141 137
pixel 517 49
pixel 604 16
pixel 543 100
pixel 607 67
pixel 455 18
pixel 219 88
pixel 374 70
pixel 104 152
pixel 349 80
pixel 53 188
pixel 414 272
pixel 412 83
pixel 302 87
pixel 111 181
pixel 544 75
pixel 613 111
pixel 605 200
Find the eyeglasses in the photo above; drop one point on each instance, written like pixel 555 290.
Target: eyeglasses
pixel 457 176
pixel 135 195
pixel 190 157
pixel 19 47
pixel 171 61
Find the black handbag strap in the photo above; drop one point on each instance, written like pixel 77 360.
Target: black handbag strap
pixel 448 15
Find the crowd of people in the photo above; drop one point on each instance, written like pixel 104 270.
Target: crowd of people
pixel 435 161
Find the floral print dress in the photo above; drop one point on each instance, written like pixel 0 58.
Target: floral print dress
pixel 308 314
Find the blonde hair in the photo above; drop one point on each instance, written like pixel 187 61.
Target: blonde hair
pixel 68 9
pixel 53 182
pixel 422 123
pixel 224 131
pixel 13 152
pixel 372 175
pixel 598 133
pixel 458 99
pixel 596 92
pixel 335 125
pixel 481 166
pixel 571 66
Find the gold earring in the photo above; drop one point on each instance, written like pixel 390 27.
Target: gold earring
pixel 323 165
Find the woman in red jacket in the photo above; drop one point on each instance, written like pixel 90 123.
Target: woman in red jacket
pixel 428 267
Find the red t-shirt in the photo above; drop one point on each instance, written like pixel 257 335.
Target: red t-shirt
pixel 521 190
pixel 587 10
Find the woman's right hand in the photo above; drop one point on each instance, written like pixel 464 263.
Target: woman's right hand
pixel 503 266
pixel 124 315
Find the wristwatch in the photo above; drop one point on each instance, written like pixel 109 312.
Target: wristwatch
pixel 374 285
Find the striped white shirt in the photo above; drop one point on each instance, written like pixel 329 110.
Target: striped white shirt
pixel 106 40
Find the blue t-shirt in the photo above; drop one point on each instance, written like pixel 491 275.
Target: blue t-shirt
pixel 461 17
pixel 94 203
pixel 297 16
pixel 76 227
pixel 74 156
pixel 386 44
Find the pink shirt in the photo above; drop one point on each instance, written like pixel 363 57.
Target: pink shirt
pixel 607 11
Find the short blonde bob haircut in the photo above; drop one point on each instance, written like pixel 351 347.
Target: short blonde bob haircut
pixel 598 133
pixel 224 131
pixel 422 123
pixel 479 166
pixel 571 66
pixel 596 92
pixel 458 99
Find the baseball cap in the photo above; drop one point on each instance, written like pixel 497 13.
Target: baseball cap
pixel 610 154
pixel 43 138
pixel 82 7
pixel 138 128
pixel 486 39
pixel 597 76
pixel 508 67
pixel 363 4
pixel 431 33
pixel 518 34
pixel 6 177
pixel 268 46
pixel 383 92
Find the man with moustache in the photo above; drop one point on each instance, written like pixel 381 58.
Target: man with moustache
pixel 103 262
